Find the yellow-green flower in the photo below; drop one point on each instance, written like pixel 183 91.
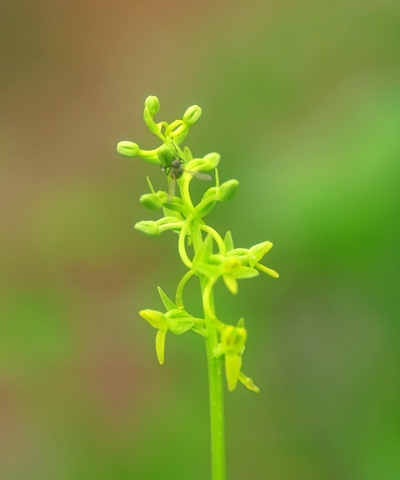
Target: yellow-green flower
pixel 176 320
pixel 232 347
pixel 251 256
pixel 218 265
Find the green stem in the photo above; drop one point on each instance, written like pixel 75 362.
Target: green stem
pixel 187 201
pixel 181 243
pixel 216 237
pixel 214 374
pixel 170 226
pixel 207 304
pixel 181 286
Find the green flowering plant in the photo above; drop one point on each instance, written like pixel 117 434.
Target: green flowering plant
pixel 213 257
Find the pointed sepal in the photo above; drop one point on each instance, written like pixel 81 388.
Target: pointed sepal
pixel 168 304
pixel 228 241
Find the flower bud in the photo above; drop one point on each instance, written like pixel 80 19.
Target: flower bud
pixel 153 104
pixel 151 201
pixel 227 190
pixel 205 206
pixel 191 115
pixel 129 149
pixel 148 227
pixel 209 162
pixel 165 155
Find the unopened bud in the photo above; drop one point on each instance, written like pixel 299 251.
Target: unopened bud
pixel 210 161
pixel 165 155
pixel 148 227
pixel 129 149
pixel 191 115
pixel 227 190
pixel 153 104
pixel 151 201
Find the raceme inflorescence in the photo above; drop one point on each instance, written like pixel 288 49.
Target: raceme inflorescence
pixel 206 254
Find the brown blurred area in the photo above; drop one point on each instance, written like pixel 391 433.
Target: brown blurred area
pixel 71 74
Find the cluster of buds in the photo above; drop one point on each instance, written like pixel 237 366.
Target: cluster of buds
pixel 176 132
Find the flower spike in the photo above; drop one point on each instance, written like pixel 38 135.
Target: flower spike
pixel 207 256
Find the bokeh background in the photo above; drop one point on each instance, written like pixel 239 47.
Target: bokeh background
pixel 302 101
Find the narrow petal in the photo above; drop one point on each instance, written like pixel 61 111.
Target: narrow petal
pixel 160 345
pixel 267 270
pixel 248 382
pixel 233 363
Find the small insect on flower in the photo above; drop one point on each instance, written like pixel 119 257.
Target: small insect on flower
pixel 175 170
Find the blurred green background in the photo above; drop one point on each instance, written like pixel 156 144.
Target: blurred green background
pixel 302 101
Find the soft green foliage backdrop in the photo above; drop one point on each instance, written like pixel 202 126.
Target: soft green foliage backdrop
pixel 302 101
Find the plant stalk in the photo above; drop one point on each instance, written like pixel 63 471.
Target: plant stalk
pixel 216 393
